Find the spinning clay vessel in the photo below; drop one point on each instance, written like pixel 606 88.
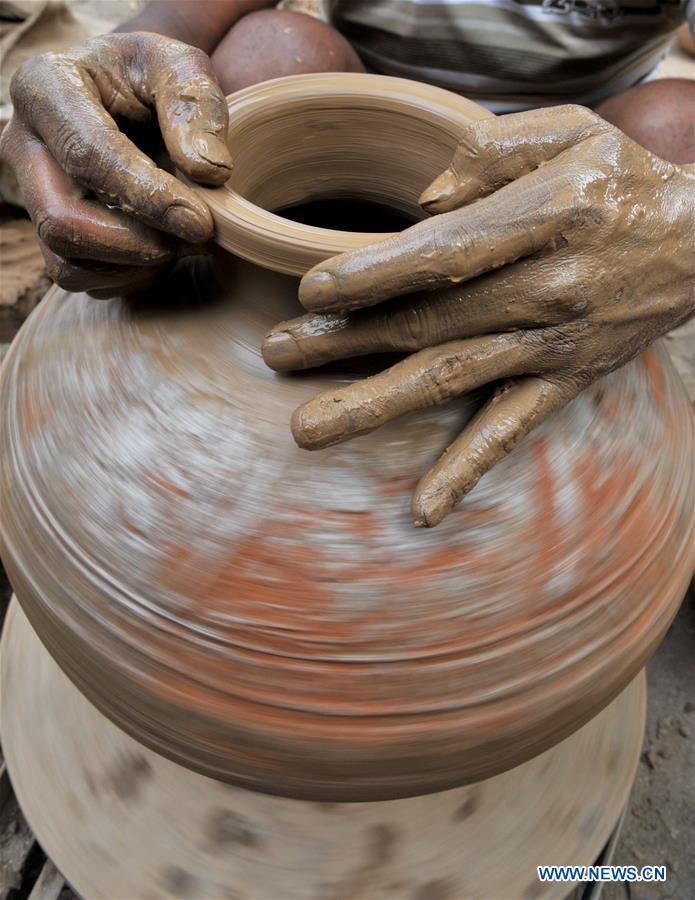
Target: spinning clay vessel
pixel 268 616
pixel 121 821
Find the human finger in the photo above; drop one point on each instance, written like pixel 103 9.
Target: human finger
pixel 515 409
pixel 494 151
pixel 428 378
pixel 451 248
pixel 524 295
pixel 191 110
pixel 69 224
pixel 102 279
pixel 85 141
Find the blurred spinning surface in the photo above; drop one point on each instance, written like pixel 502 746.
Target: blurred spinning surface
pixel 121 821
pixel 268 616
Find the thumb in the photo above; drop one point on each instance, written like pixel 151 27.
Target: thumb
pixel 496 151
pixel 192 111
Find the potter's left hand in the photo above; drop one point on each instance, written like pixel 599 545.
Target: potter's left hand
pixel 561 249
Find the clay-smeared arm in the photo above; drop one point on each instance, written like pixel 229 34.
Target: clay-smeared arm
pixel 558 251
pixel 107 217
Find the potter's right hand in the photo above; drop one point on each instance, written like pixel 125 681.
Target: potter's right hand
pixel 107 217
pixel 559 250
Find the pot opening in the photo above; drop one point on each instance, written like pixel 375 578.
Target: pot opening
pixel 354 165
pixel 324 162
pixel 342 214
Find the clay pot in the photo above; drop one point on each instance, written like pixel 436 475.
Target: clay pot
pixel 268 616
pixel 120 821
pixel 327 137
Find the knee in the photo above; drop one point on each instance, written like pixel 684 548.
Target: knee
pixel 272 43
pixel 659 115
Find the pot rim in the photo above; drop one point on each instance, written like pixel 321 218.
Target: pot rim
pixel 275 242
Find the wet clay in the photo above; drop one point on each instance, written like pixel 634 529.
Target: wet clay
pixel 329 137
pixel 95 797
pixel 66 149
pixel 261 614
pixel 550 226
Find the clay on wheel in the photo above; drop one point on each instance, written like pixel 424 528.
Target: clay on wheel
pixel 269 617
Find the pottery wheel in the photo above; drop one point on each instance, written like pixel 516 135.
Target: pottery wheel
pixel 120 821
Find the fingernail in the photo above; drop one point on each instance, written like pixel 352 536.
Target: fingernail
pixel 281 352
pixel 421 520
pixel 213 150
pixel 428 510
pixel 318 291
pixel 187 225
pixel 441 189
pixel 313 429
pixel 304 427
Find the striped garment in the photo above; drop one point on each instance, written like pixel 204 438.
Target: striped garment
pixel 514 54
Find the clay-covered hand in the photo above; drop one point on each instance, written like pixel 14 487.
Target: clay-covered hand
pixel 107 217
pixel 559 251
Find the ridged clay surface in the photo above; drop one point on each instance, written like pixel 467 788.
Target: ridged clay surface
pixel 269 616
pixel 95 799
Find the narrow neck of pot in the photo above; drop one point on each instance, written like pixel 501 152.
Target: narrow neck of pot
pixel 330 137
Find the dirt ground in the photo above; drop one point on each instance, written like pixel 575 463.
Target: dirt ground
pixel 659 827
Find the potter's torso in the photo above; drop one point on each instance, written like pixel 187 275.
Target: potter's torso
pixel 509 54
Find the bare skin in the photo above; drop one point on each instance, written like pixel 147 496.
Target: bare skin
pixel 308 45
pixel 659 116
pixel 558 250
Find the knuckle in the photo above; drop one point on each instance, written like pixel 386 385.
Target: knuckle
pixel 449 242
pixel 578 300
pixel 588 214
pixel 74 151
pixel 483 133
pixel 573 306
pixel 187 63
pixel 571 295
pixel 198 57
pixel 441 382
pixel 31 77
pixel 472 136
pixel 434 389
pixel 579 209
pixel 576 199
pixel 408 328
pixel 60 272
pixel 555 345
pixel 70 276
pixel 195 61
pixel 562 339
pixel 8 142
pixel 23 78
pixel 53 228
pixel 71 279
pixel 476 142
pixel 579 113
